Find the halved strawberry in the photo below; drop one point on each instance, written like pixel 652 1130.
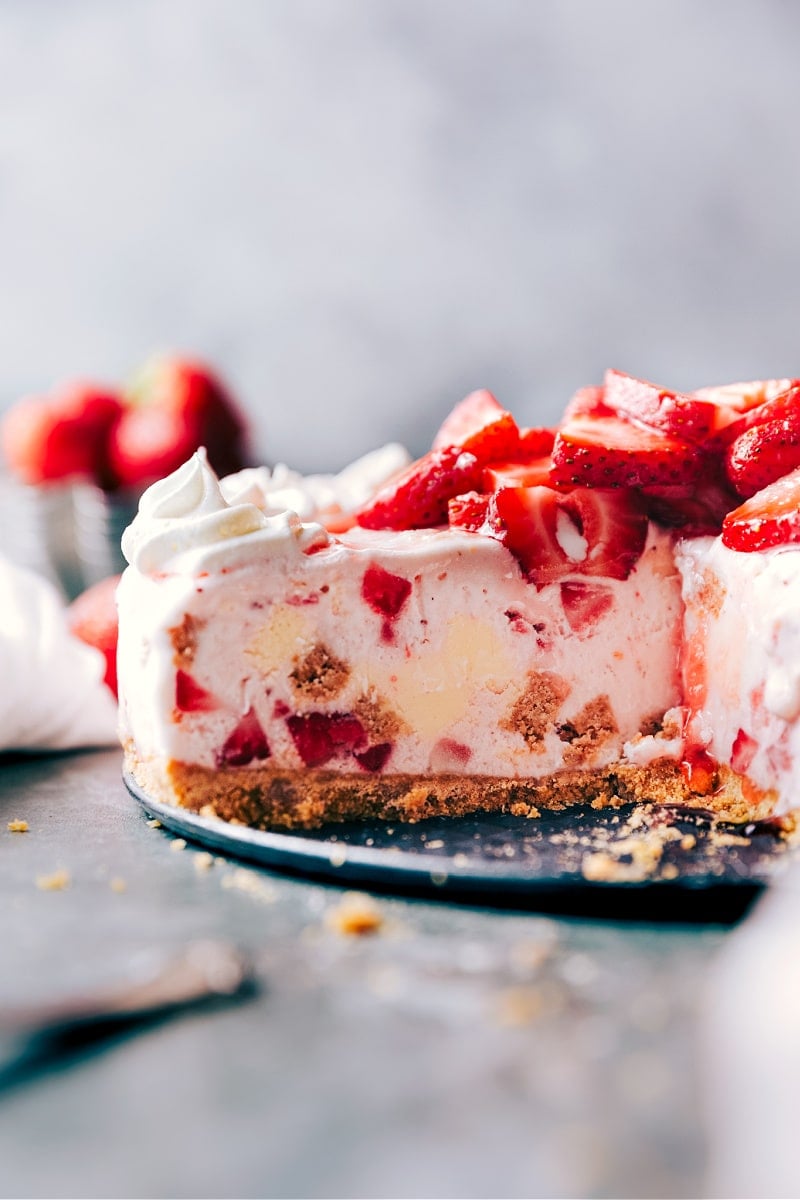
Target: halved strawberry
pixel 770 518
pixel 608 452
pixel 92 617
pixel 614 525
pixel 681 416
pixel 766 451
pixel 607 529
pixel 482 426
pixel 417 497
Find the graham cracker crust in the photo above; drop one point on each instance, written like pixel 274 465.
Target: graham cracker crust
pixel 268 798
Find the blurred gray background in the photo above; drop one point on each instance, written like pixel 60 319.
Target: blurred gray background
pixel 361 209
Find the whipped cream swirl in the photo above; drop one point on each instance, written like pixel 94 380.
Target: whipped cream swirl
pixel 185 524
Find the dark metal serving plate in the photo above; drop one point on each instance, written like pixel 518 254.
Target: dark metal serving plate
pixel 579 861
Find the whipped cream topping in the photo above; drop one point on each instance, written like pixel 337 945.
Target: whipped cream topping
pixel 185 523
pixel 311 495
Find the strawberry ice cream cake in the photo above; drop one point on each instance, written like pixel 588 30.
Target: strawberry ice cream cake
pixel 522 618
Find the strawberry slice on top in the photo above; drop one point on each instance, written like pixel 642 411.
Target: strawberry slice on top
pixel 482 426
pixel 770 518
pixel 585 532
pixel 767 450
pixel 689 418
pixel 609 452
pixel 417 498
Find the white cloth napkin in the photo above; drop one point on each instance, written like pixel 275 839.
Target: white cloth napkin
pixel 52 695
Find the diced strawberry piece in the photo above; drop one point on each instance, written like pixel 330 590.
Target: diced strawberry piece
pixel 743 752
pixel 587 402
pixel 700 771
pixel 770 518
pixel 92 617
pixel 245 742
pixel 384 592
pixel 767 449
pixel 535 442
pixel 585 604
pixel 62 436
pixel 535 473
pixel 614 525
pixel 607 452
pixel 482 426
pixel 686 417
pixel 190 696
pixel 417 497
pixel 374 758
pixel 470 512
pixel 319 737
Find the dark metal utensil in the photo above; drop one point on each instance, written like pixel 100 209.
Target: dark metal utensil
pixel 39 1036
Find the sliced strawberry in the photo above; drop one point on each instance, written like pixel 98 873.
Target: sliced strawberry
pixel 614 525
pixel 245 742
pixel 536 524
pixel 482 426
pixel 417 497
pixel 92 617
pixel 770 518
pixel 535 473
pixel 525 520
pixel 769 447
pixel 696 509
pixel 587 402
pixel 735 400
pixel 470 511
pixel 607 452
pixel 535 442
pixel 681 416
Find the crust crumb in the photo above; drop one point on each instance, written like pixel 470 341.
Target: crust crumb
pixel 17 826
pixel 184 640
pixel 320 675
pixel 588 731
pixel 533 713
pixel 56 882
pixel 118 885
pixel 356 914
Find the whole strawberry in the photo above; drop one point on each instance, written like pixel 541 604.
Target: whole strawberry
pixel 175 405
pixel 62 435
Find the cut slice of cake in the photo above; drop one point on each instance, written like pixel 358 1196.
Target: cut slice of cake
pixel 517 620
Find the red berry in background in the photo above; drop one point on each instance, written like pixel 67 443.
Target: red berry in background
pixel 92 617
pixel 175 406
pixel 63 435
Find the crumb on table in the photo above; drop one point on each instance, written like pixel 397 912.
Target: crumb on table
pixel 17 826
pixel 356 914
pixel 56 882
